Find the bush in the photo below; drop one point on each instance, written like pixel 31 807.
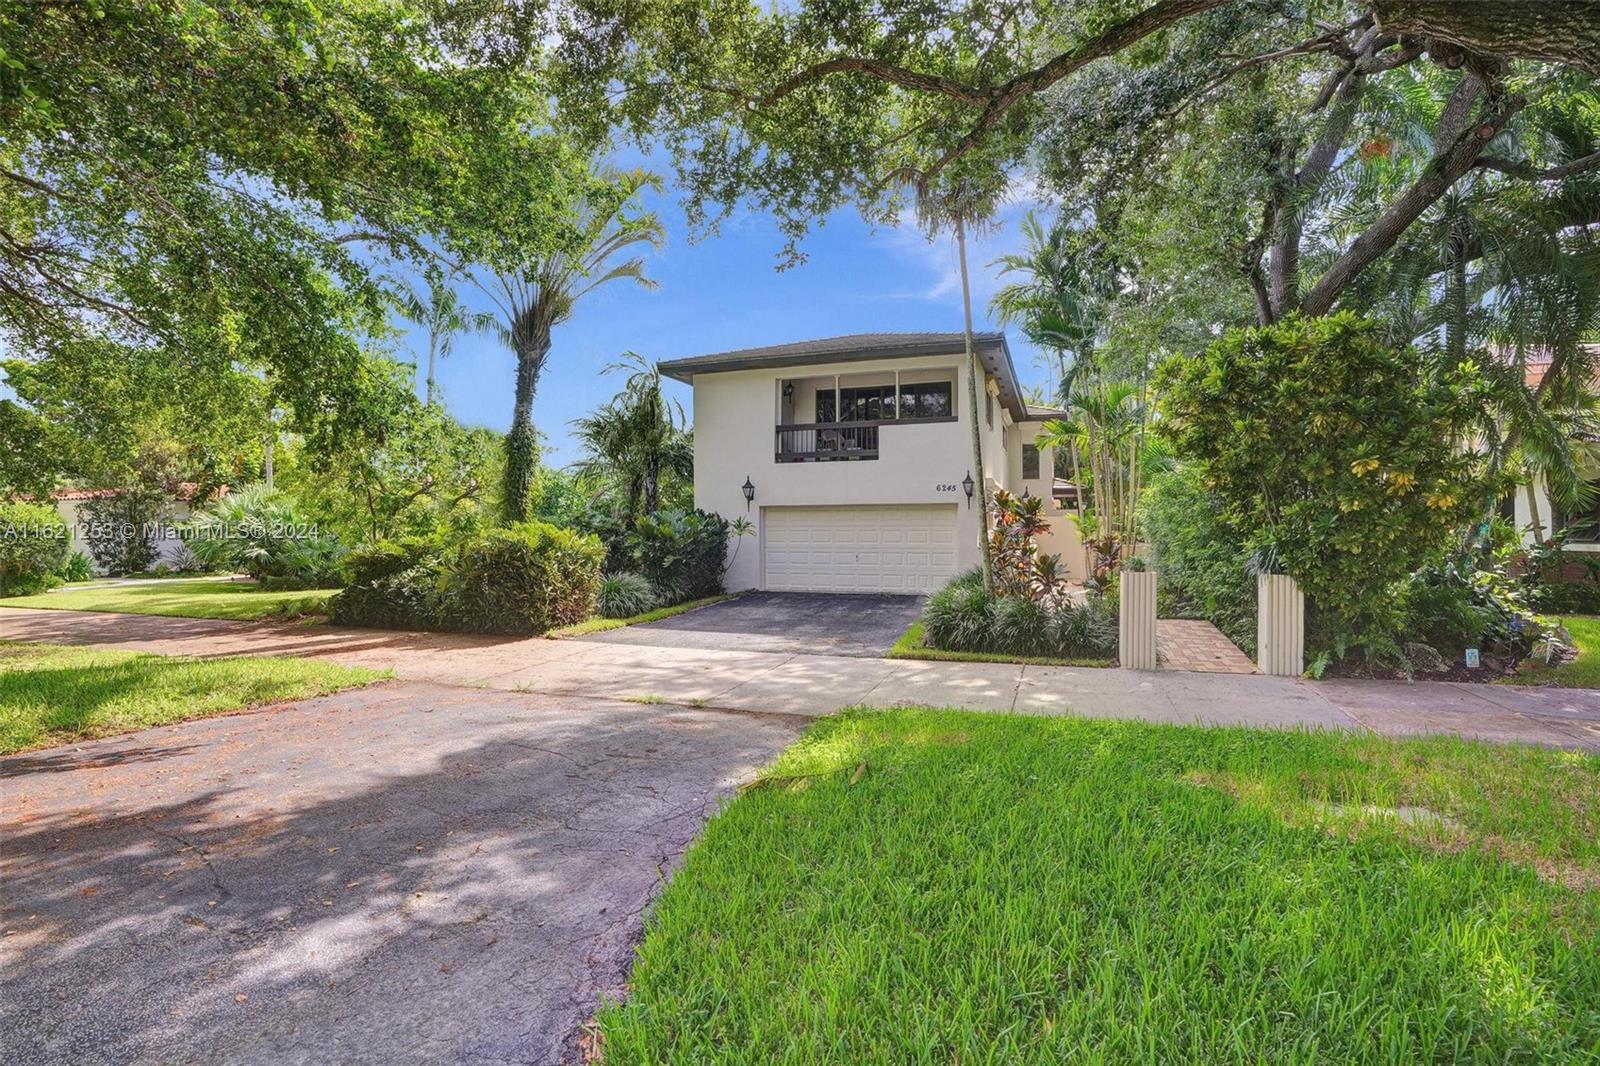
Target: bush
pixel 524 578
pixel 261 533
pixel 625 595
pixel 681 553
pixel 962 617
pixel 77 568
pixel 1566 597
pixel 119 528
pixel 1201 560
pixel 519 580
pixel 1439 610
pixel 394 585
pixel 1326 446
pixel 34 546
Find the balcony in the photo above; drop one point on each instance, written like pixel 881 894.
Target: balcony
pixel 827 442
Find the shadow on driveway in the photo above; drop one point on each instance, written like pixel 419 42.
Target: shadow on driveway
pixel 810 623
pixel 403 874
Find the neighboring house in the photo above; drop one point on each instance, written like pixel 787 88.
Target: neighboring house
pixel 168 548
pixel 857 452
pixel 1582 529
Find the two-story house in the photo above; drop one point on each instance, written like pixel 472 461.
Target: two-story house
pixel 852 456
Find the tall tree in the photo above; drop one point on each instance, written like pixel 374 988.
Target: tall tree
pixel 216 177
pixel 533 301
pixel 637 439
pixel 434 304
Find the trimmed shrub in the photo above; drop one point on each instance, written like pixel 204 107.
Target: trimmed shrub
pixel 681 553
pixel 524 578
pixel 1566 597
pixel 625 595
pixel 34 546
pixel 119 528
pixel 395 585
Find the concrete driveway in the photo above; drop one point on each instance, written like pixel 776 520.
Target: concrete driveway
pixel 807 623
pixel 406 873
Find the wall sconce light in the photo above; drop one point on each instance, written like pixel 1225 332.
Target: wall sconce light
pixel 750 493
pixel 788 390
pixel 968 485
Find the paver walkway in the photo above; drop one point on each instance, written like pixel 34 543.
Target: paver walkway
pixel 1185 644
pixel 820 684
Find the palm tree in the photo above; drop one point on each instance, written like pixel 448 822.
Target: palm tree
pixel 636 438
pixel 435 305
pixel 534 301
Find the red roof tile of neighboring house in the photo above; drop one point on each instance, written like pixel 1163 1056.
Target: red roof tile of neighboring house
pixel 184 491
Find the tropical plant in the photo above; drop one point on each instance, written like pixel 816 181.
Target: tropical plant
pixel 681 553
pixel 119 527
pixel 435 305
pixel 1020 570
pixel 625 595
pixel 535 300
pixel 523 578
pixel 260 532
pixel 637 439
pixel 1323 446
pixel 34 543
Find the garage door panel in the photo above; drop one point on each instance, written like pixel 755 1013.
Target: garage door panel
pixel 859 549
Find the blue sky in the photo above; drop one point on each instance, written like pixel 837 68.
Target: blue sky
pixel 723 293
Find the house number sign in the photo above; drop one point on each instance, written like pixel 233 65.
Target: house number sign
pixel 944 488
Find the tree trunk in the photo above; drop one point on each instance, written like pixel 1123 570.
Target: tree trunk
pixel 974 374
pixel 652 482
pixel 433 347
pixel 1533 513
pixel 1557 31
pixel 532 344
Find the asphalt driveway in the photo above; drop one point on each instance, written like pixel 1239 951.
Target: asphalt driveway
pixel 405 873
pixel 807 623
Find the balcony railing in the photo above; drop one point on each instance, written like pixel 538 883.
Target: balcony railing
pixel 813 442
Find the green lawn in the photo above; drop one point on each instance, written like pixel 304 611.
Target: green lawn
pixel 1582 672
pixel 52 694
pixel 941 886
pixel 187 599
pixel 912 645
pixel 600 625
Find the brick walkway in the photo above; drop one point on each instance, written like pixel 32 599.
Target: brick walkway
pixel 1200 647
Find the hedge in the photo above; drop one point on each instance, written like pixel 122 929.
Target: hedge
pixel 34 545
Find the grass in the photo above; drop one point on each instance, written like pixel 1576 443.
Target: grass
pixel 50 694
pixel 185 599
pixel 912 645
pixel 941 886
pixel 600 625
pixel 1582 672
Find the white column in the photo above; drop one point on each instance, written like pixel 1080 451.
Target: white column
pixel 1136 620
pixel 1280 625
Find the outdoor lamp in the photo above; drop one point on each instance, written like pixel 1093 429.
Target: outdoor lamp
pixel 968 484
pixel 750 492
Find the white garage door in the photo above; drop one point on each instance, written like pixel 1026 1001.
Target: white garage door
pixel 859 549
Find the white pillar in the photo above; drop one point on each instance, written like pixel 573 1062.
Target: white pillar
pixel 1280 625
pixel 1136 620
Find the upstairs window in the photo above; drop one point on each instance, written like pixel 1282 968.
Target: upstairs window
pixel 873 403
pixel 1030 462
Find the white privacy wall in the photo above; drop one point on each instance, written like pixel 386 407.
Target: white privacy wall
pixel 735 415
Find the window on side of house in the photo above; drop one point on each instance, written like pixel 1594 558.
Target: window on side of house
pixel 988 407
pixel 1030 462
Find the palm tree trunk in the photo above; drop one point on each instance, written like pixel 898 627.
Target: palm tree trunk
pixel 522 447
pixel 973 374
pixel 433 348
pixel 1533 512
pixel 652 482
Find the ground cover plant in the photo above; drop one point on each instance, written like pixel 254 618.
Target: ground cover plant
pixel 913 644
pixel 51 694
pixel 602 624
pixel 918 885
pixel 184 598
pixel 1580 672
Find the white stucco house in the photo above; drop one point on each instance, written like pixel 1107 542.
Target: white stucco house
pixel 857 451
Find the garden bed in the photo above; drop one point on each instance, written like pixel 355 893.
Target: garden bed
pixel 912 645
pixel 601 625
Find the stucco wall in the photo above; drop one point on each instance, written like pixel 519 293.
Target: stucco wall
pixel 734 418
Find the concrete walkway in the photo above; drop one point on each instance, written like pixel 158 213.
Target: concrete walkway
pixel 811 685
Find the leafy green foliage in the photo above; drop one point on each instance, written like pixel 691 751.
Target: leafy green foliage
pixel 120 528
pixel 203 176
pixel 1202 560
pixel 77 568
pixel 1019 569
pixel 520 579
pixel 1567 597
pixel 681 553
pixel 636 444
pixel 262 533
pixel 961 616
pixel 33 547
pixel 625 595
pixel 1326 448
